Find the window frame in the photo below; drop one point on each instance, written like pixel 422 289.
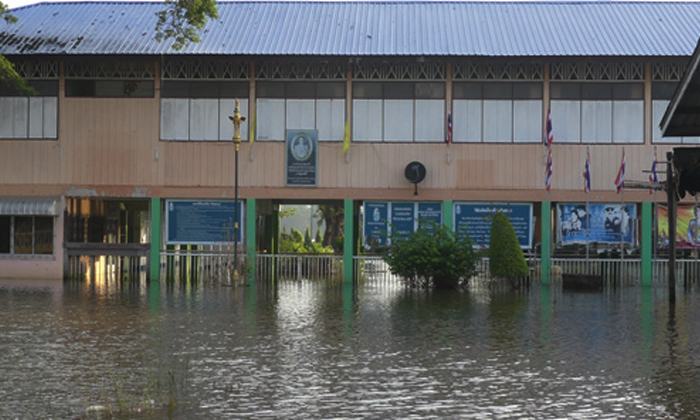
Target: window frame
pixel 12 237
pixel 594 111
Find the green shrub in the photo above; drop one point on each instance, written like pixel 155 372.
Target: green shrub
pixel 433 256
pixel 296 243
pixel 505 255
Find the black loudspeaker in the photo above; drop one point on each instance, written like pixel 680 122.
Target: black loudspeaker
pixel 415 173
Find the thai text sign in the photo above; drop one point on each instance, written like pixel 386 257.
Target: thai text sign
pixel 384 220
pixel 302 158
pixel 202 222
pixel 474 219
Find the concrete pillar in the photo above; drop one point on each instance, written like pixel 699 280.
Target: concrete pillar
pixel 546 242
pixel 348 242
pixel 647 243
pixel 156 235
pixel 447 213
pixel 250 235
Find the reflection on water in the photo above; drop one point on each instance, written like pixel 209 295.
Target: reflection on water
pixel 311 350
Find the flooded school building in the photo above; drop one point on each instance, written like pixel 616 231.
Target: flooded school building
pixel 391 111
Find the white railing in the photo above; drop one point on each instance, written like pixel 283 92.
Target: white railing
pixel 208 265
pixel 217 265
pixel 299 266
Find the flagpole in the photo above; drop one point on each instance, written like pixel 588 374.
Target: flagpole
pixel 622 210
pixel 449 136
pixel 588 210
pixel 655 224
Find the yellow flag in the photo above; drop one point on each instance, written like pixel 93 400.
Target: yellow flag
pixel 251 134
pixel 346 139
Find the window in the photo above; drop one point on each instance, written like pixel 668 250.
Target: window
pixel 26 235
pixel 399 111
pixel 199 110
pixel 34 117
pixel 285 106
pixel 110 88
pixel 598 112
pixel 498 112
pixel 661 94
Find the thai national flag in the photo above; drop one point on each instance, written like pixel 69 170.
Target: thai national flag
pixel 620 179
pixel 448 140
pixel 550 139
pixel 550 132
pixel 587 174
pixel 653 177
pixel 548 171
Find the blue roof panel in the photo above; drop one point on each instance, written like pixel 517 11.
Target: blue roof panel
pixel 449 28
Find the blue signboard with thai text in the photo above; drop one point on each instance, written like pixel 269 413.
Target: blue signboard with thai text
pixel 430 212
pixel 403 219
pixel 202 222
pixel 376 224
pixel 474 219
pixel 383 220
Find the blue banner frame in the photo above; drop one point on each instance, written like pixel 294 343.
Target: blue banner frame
pixel 384 219
pixel 474 219
pixel 609 223
pixel 202 222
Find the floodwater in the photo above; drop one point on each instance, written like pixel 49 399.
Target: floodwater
pixel 309 350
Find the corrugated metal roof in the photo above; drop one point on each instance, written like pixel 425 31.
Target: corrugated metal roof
pixel 368 29
pixel 30 206
pixel 682 116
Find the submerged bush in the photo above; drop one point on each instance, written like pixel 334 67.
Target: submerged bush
pixel 505 254
pixel 433 256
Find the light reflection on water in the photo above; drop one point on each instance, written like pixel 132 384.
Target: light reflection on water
pixel 309 350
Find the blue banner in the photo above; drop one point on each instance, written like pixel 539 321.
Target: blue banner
pixel 376 223
pixel 403 219
pixel 383 219
pixel 609 223
pixel 202 222
pixel 474 219
pixel 430 212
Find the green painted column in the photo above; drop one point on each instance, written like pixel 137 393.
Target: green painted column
pixel 447 214
pixel 348 242
pixel 546 242
pixel 647 243
pixel 646 317
pixel 250 235
pixel 275 232
pixel 156 235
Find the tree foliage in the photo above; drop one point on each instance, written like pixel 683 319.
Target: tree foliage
pixel 505 254
pixel 182 20
pixel 296 243
pixel 333 216
pixel 8 75
pixel 433 256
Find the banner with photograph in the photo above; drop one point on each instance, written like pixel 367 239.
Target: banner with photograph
pixel 609 223
pixel 687 226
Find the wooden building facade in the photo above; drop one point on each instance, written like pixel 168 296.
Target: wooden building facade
pixel 111 134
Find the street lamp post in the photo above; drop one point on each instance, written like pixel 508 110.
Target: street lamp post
pixel 237 119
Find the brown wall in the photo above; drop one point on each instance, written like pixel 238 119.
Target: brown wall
pixel 111 146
